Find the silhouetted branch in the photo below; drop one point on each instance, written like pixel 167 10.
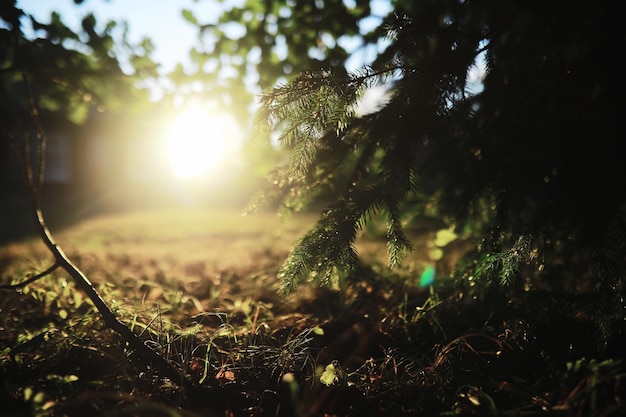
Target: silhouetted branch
pixel 35 182
pixel 31 279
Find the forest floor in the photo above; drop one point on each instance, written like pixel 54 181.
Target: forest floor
pixel 201 287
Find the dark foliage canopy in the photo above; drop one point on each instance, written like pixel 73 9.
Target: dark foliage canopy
pixel 529 165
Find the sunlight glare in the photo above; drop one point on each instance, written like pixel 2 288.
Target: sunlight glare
pixel 198 141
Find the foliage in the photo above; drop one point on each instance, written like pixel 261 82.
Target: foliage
pixel 524 165
pixel 69 73
pixel 270 40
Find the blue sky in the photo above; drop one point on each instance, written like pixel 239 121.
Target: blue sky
pixel 160 20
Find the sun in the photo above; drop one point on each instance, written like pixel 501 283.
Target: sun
pixel 199 141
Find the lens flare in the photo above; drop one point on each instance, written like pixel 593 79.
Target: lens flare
pixel 199 141
pixel 428 276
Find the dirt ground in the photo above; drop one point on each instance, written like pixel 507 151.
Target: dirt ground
pixel 201 286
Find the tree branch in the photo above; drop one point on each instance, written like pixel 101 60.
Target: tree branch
pixel 35 182
pixel 31 279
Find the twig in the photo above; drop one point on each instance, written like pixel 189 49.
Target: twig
pixel 31 279
pixel 35 182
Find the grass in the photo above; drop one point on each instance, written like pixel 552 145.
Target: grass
pixel 200 286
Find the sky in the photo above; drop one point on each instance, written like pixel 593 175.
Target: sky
pixel 163 24
pixel 161 21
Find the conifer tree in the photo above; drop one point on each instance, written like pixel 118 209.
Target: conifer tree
pixel 529 165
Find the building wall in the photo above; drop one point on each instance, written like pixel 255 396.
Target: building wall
pixel 60 154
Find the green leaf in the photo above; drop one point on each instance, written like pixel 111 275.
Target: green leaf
pixel 28 393
pixel 329 376
pixel 62 379
pixel 189 16
pixel 435 254
pixel 444 236
pixel 77 113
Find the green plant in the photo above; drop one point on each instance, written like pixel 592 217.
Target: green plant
pixel 504 160
pixel 592 383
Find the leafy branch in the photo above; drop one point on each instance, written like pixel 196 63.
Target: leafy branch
pixel 315 115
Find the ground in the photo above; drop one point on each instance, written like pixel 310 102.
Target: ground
pixel 200 286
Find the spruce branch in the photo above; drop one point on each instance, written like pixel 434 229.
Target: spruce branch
pixel 326 251
pixel 321 100
pixel 505 264
pixel 315 116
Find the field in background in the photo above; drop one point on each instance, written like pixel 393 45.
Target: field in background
pixel 217 239
pixel 144 252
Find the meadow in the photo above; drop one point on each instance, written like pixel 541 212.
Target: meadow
pixel 200 286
